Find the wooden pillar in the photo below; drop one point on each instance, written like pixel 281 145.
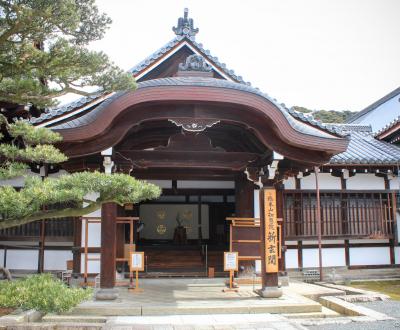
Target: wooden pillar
pixel 76 249
pixel 244 197
pixel 108 241
pixel 300 254
pixel 269 280
pixel 42 246
pixel 280 214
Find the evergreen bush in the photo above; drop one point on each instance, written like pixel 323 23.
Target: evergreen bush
pixel 41 292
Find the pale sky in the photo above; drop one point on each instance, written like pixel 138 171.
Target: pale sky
pixel 321 54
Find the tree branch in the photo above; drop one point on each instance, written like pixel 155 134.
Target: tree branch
pixel 70 212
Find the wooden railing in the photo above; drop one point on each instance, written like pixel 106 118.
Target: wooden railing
pixel 343 214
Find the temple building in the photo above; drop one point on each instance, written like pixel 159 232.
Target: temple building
pixel 214 144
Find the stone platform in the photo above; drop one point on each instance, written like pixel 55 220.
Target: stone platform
pixel 197 296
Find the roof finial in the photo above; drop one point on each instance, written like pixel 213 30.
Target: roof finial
pixel 185 26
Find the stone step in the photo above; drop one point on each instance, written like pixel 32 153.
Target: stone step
pixel 325 313
pixel 197 309
pixel 74 318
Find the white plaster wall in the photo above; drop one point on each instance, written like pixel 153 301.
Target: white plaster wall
pixel 333 257
pixel 167 184
pixel 256 203
pixel 56 260
pixel 369 256
pixel 94 237
pixel 310 258
pixel 326 181
pixel 394 183
pixel 206 184
pixel 22 259
pixel 365 181
pixel 396 254
pixel 290 183
pixel 93 265
pixel 291 260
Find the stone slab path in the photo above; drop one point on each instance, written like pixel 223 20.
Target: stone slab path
pixel 189 322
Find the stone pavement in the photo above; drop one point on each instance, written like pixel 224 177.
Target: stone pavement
pixel 198 296
pixel 189 322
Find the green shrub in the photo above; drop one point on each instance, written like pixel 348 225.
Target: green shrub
pixel 41 292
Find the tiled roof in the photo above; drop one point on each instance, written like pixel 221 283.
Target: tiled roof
pixel 66 109
pixel 191 40
pixel 297 120
pixel 388 126
pixel 374 105
pixel 363 148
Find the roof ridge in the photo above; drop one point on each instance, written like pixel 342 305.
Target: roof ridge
pixel 388 126
pixel 204 52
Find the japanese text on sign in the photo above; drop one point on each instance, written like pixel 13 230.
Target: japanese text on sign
pixel 137 261
pixel 271 231
pixel 231 261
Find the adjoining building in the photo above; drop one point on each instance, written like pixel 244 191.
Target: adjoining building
pixel 211 140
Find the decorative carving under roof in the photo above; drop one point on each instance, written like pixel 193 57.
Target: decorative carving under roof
pixel 195 63
pixel 194 125
pixel 185 26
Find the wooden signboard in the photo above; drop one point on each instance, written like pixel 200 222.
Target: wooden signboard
pixel 231 261
pixel 136 261
pixel 271 231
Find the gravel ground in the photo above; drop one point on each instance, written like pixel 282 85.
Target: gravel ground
pixel 391 308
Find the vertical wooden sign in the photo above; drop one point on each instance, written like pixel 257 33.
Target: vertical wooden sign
pixel 271 231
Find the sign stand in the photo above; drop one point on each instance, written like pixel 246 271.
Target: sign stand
pixel 136 264
pixel 231 264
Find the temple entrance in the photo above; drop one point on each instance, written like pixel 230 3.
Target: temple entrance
pixel 184 232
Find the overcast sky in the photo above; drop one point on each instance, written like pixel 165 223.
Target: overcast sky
pixel 321 54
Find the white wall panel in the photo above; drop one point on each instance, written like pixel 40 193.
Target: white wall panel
pixel 94 237
pixel 394 183
pixel 291 260
pixel 310 258
pixel 56 259
pixel 369 256
pixel 365 181
pixel 333 257
pixel 22 259
pixel 290 183
pixel 397 254
pixel 326 182
pixel 256 203
pixel 93 265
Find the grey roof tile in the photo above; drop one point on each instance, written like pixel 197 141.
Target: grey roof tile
pixel 297 120
pixel 363 148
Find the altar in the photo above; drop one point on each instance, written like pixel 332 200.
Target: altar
pixel 161 221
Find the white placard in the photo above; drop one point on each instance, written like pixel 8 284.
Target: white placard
pixel 137 261
pixel 231 261
pixel 258 266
